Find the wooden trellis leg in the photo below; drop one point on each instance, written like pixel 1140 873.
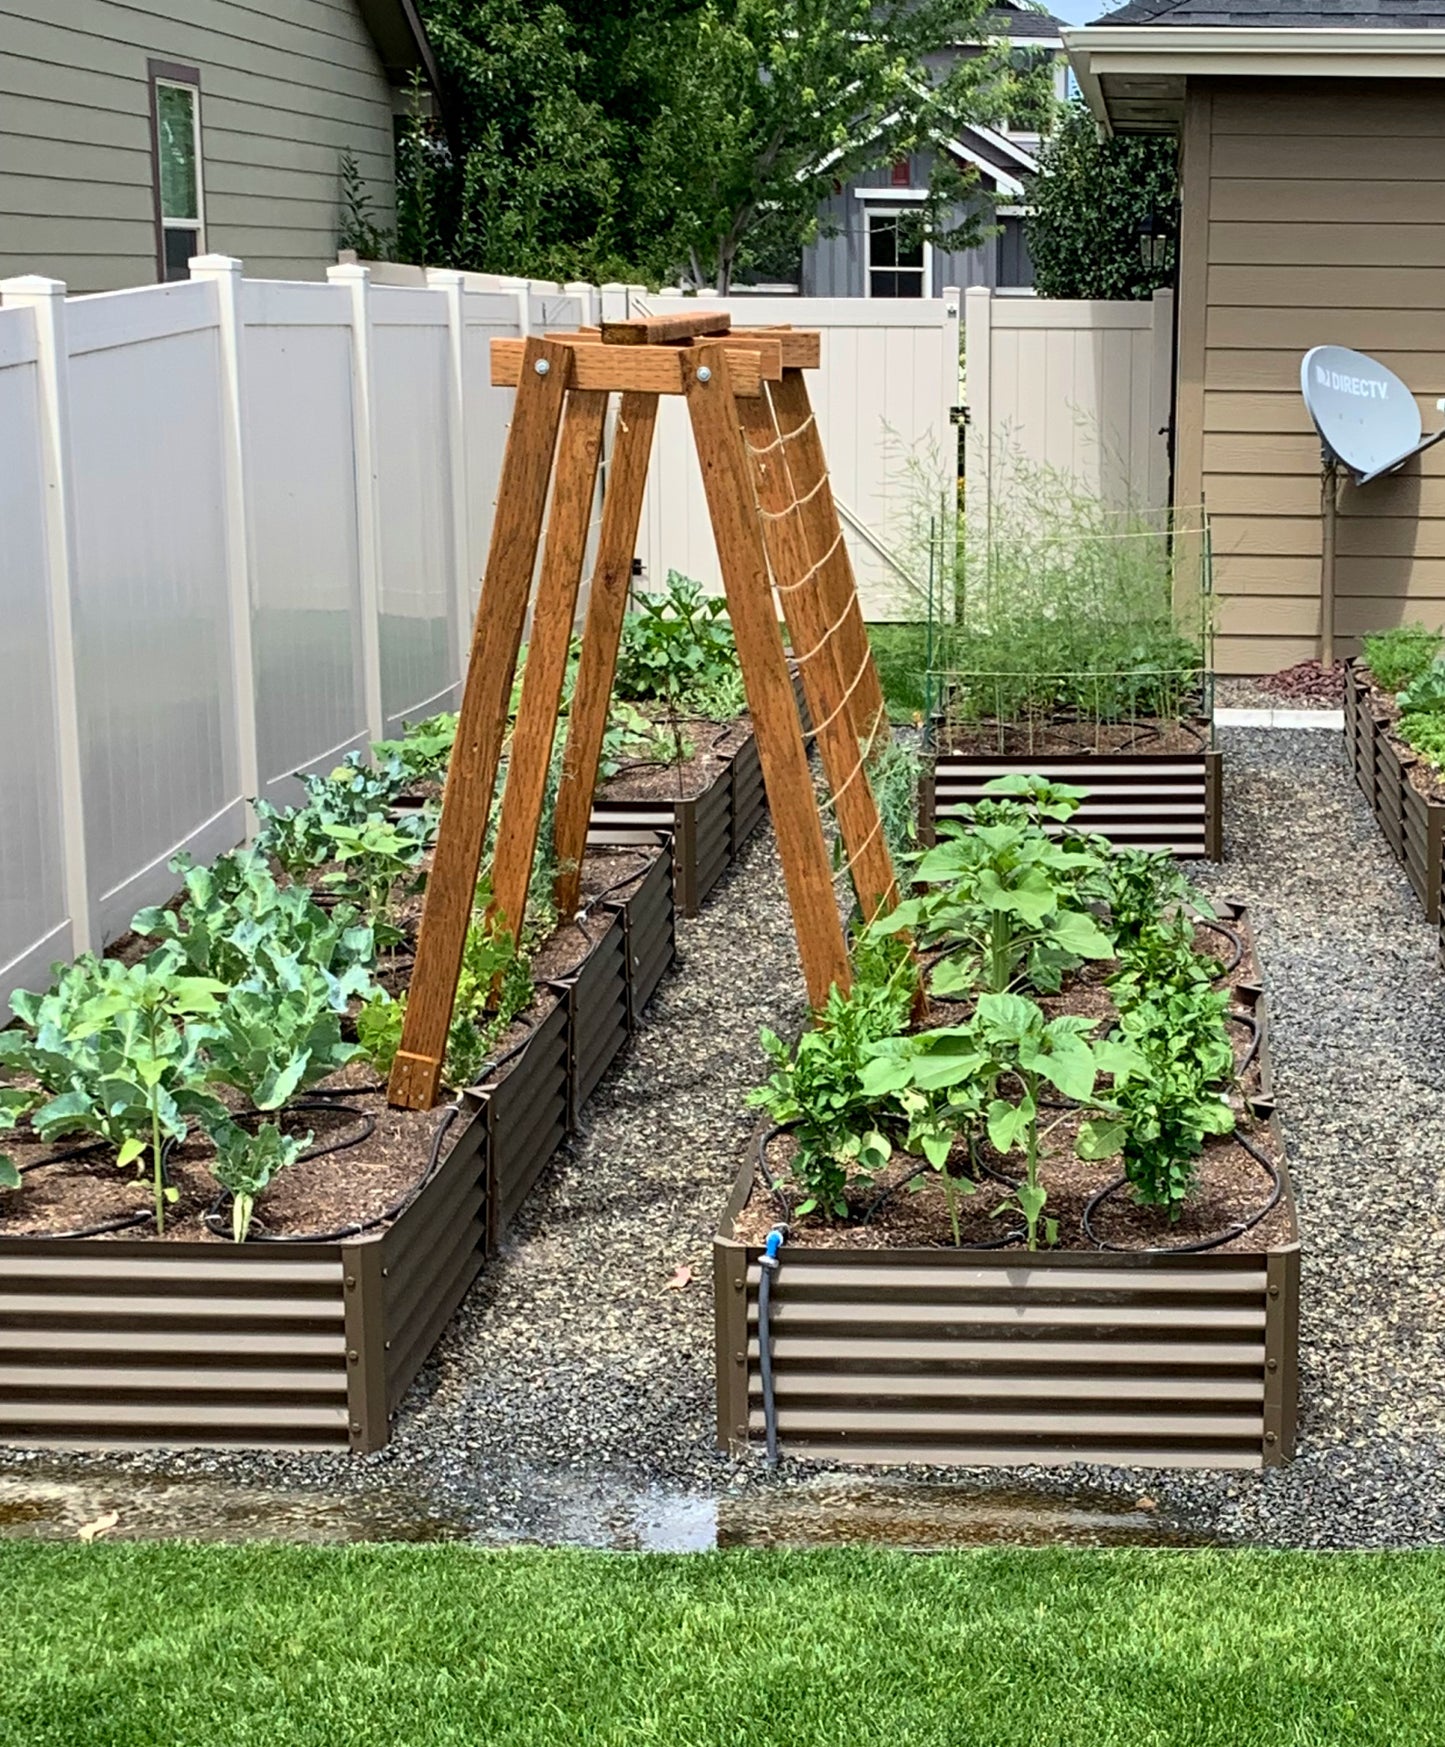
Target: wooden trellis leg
pixel 727 480
pixel 816 638
pixel 606 608
pixel 556 606
pixel 809 469
pixel 482 722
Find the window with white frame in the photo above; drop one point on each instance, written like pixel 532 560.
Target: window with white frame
pixel 899 257
pixel 176 169
pixel 1033 119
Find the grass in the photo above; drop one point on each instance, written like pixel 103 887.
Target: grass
pixel 277 1646
pixel 901 652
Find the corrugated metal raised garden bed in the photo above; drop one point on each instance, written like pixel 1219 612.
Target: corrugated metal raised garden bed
pixel 108 1341
pixel 1137 799
pixel 709 828
pixel 998 1356
pixel 1413 825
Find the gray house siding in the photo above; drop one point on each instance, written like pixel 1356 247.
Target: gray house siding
pixel 835 265
pixel 284 90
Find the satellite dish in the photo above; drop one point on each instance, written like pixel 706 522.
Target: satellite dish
pixel 1366 417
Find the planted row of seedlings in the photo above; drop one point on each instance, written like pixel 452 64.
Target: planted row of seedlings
pixel 1395 745
pixel 1019 1196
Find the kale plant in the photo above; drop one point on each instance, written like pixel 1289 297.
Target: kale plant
pixel 677 648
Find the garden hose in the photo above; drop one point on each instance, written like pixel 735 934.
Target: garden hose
pixel 1213 1243
pixel 768 1266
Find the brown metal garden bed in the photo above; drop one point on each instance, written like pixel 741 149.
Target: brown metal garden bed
pixel 1413 826
pixel 971 1357
pixel 708 830
pixel 114 1343
pixel 1138 800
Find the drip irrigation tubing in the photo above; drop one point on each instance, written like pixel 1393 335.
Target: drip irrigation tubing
pixel 1235 940
pixel 1256 1037
pixel 1238 1229
pixel 358 1227
pixel 122 1222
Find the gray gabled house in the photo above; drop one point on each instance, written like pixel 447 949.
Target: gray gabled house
pixel 860 251
pixel 133 137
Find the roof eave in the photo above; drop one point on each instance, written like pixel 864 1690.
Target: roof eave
pixel 1121 52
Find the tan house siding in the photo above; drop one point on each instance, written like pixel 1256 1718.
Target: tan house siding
pixel 1314 214
pixel 285 89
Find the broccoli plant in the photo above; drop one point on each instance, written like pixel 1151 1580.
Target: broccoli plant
pixel 424 750
pixel 118 1050
pixel 678 648
pixel 272 1040
pixel 234 914
pixel 373 857
pixel 246 1163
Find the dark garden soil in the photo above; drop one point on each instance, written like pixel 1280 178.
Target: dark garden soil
pixel 907 1207
pixel 710 744
pixel 1421 775
pixel 368 1157
pixel 1064 739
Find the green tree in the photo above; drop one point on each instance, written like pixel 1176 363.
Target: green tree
pixel 1089 201
pixel 776 102
pixel 658 138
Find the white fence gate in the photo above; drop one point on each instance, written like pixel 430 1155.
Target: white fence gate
pixel 244 524
pixel 883 398
pixel 1080 387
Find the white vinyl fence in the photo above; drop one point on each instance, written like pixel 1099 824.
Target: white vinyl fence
pixel 243 523
pixel 1082 387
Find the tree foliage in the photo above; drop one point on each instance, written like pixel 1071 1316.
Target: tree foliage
pixel 1089 200
pixel 685 138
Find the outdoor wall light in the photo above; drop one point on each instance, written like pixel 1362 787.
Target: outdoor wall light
pixel 1156 235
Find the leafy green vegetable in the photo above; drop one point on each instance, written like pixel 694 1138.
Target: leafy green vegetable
pixel 1398 656
pixel 118 1052
pixel 1008 896
pixel 819 1090
pixel 245 1164
pixel 424 750
pixel 677 648
pixel 373 857
pixel 273 1039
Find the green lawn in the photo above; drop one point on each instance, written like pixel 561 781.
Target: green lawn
pixel 426 1647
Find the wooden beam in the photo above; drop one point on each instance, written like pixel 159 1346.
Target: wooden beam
pixel 802 348
pixel 481 723
pixel 555 608
pixel 638 369
pixel 808 466
pixel 727 480
pixel 825 673
pixel 661 330
pixel 601 634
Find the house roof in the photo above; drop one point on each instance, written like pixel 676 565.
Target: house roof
pixel 1283 14
pixel 1023 22
pixel 1133 66
pixel 401 40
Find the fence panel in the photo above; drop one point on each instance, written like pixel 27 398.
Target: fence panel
pixel 159 753
pixel 300 469
pixel 34 909
pixel 420 662
pixel 1079 387
pixel 883 397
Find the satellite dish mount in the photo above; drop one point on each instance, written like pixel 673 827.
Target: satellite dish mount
pixel 1368 425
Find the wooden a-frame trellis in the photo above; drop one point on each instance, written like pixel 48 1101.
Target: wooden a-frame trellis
pixel 777 530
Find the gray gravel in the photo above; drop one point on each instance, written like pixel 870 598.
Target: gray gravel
pixel 572 1398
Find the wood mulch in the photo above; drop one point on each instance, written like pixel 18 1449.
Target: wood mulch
pixel 1065 739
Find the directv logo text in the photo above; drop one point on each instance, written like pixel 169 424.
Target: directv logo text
pixel 1365 386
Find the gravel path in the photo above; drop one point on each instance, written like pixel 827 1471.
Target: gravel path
pixel 573 1395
